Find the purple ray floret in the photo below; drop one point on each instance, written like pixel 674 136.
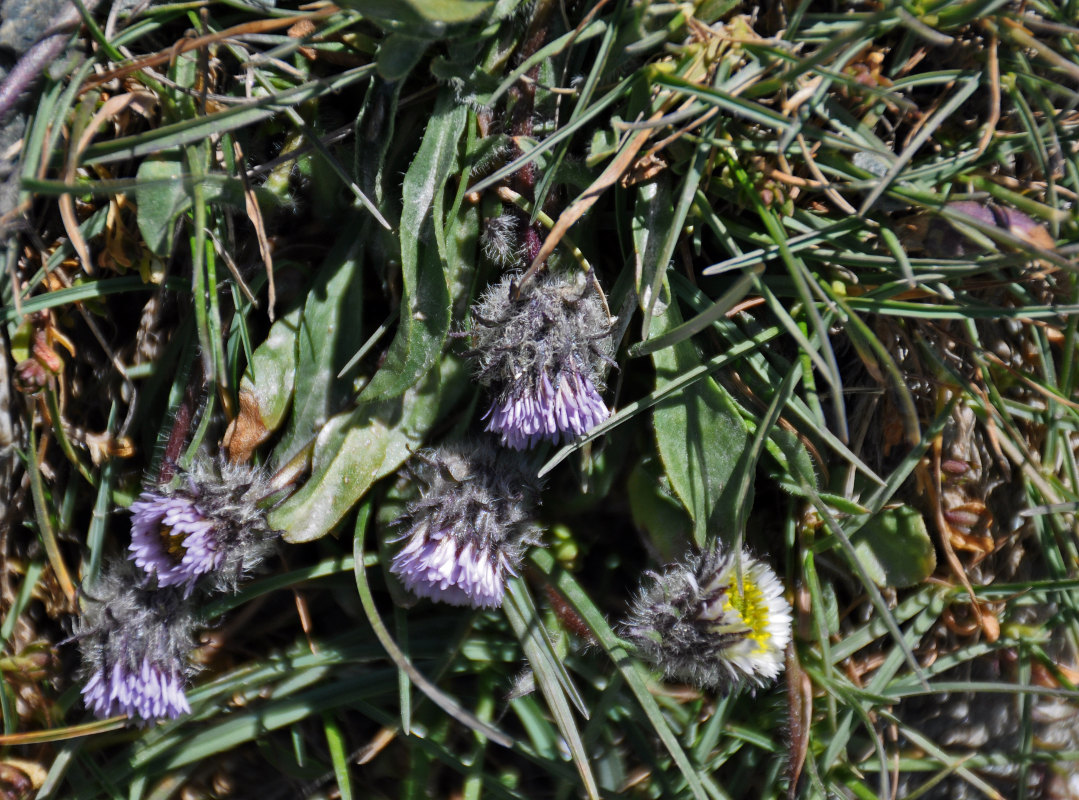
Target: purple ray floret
pixel 148 692
pixel 171 539
pixel 524 418
pixel 439 568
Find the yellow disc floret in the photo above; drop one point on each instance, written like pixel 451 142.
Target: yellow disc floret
pixel 174 542
pixel 749 602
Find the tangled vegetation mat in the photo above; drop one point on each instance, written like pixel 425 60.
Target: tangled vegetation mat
pixel 552 399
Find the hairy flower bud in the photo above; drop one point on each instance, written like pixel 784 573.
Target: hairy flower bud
pixel 210 524
pixel 544 356
pixel 469 527
pixel 135 643
pixel 699 623
pixel 500 240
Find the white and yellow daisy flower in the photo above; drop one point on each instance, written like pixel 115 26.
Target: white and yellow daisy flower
pixel 715 620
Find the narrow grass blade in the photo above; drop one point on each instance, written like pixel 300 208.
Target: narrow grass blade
pixel 336 744
pixel 939 116
pixel 634 674
pixel 440 698
pixel 550 675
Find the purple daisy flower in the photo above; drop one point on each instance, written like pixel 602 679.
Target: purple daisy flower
pixel 212 523
pixel 170 538
pixel 544 355
pixel 135 643
pixel 468 529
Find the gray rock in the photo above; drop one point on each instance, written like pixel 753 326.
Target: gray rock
pixel 26 21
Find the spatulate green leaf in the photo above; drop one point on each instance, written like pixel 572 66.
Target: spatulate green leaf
pixel 700 436
pixel 895 547
pixel 425 302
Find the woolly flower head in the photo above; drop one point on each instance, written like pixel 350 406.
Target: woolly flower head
pixel 211 523
pixel 700 624
pixel 135 643
pixel 544 356
pixel 469 527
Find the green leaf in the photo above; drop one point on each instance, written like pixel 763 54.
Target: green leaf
pixel 699 434
pixel 425 302
pixel 336 743
pixel 330 332
pixel 178 101
pixel 794 460
pixel 399 54
pixel 657 511
pixel 271 375
pixel 164 190
pixel 843 504
pixel 652 218
pixel 355 449
pixel 430 13
pixel 161 197
pixel 895 548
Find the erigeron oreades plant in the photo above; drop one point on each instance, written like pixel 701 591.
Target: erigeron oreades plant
pixel 134 641
pixel 205 532
pixel 211 523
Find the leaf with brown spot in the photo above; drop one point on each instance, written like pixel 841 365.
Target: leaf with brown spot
pixel 265 390
pixel 246 431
